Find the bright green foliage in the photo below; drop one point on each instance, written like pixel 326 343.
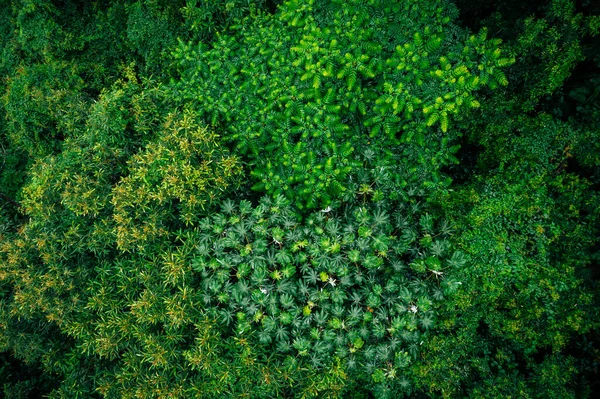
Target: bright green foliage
pixel 304 105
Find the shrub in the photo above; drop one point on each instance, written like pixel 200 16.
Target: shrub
pixel 305 93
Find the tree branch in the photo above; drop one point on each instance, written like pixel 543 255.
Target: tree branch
pixel 8 199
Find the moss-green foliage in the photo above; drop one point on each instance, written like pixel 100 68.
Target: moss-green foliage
pixel 185 164
pixel 338 199
pixel 306 105
pixel 79 214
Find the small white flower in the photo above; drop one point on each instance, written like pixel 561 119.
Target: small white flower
pixel 437 273
pixel 413 309
pixel 332 281
pixel 264 291
pixel 326 210
pixel 391 373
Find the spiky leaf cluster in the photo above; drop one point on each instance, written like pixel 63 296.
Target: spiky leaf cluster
pixel 359 284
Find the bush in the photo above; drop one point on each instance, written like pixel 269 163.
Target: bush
pixel 306 106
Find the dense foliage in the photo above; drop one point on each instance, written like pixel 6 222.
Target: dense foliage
pixel 337 85
pixel 252 198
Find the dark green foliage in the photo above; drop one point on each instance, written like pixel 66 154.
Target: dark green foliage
pixel 546 36
pixel 21 381
pixel 524 297
pixel 58 56
pixel 528 212
pixel 40 109
pixel 361 286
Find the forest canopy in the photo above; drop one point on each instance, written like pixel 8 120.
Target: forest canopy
pixel 301 198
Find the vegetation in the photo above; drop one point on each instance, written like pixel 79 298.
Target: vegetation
pixel 301 198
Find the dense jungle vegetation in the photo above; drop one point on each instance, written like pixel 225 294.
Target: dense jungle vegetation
pixel 301 198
